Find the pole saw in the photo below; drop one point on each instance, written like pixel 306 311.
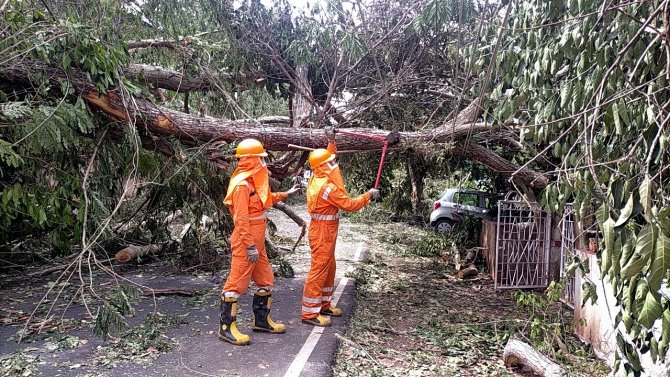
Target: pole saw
pixel 393 137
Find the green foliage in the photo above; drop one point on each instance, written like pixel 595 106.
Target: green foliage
pixel 430 246
pixel 113 310
pixel 587 87
pixel 19 364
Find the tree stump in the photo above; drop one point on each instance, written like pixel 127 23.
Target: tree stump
pixel 519 353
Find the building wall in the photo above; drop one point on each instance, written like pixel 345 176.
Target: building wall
pixel 595 323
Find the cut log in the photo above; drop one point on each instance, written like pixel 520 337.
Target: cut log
pixel 467 272
pixel 133 252
pixel 519 353
pixel 168 292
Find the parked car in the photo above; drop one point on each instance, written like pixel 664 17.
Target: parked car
pixel 455 204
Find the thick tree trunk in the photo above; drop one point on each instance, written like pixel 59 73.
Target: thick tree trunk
pixel 301 106
pixel 416 174
pixel 194 130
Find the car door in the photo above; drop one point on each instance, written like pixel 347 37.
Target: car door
pixel 467 203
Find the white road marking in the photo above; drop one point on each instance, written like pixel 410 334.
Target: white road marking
pixel 305 352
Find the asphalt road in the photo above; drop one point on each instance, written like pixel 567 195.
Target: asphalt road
pixel 268 355
pixel 302 351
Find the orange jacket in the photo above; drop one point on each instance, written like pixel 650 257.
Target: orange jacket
pixel 325 196
pixel 247 208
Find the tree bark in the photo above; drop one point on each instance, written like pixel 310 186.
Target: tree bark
pixel 517 352
pixel 173 80
pixel 525 176
pixel 192 129
pixel 416 174
pixel 302 108
pixel 467 272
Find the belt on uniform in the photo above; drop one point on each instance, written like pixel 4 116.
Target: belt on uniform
pixel 316 216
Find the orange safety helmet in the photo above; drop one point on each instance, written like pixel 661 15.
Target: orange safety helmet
pixel 250 147
pixel 320 156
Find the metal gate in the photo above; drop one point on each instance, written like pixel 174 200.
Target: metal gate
pixel 522 245
pixel 568 253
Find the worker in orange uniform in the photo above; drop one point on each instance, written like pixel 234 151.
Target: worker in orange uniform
pixel 326 195
pixel 248 197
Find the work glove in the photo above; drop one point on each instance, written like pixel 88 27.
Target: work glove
pixel 330 133
pixel 252 254
pixel 374 193
pixel 295 190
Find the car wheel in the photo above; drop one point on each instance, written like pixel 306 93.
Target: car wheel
pixel 444 226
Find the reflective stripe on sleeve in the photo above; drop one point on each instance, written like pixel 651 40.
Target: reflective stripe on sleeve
pixel 326 298
pixel 326 193
pixel 327 289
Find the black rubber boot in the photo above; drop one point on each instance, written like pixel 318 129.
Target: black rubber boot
pixel 262 320
pixel 228 331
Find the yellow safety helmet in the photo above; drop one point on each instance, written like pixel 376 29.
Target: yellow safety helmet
pixel 320 156
pixel 250 147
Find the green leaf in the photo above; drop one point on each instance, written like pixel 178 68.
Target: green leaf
pixel 651 310
pixel 634 266
pixel 589 292
pixel 653 347
pixel 617 118
pixel 609 236
pixel 602 214
pixel 627 252
pixel 660 263
pixel 665 333
pixel 616 259
pixel 645 198
pixel 566 90
pixel 644 244
pixel 640 295
pixel 625 212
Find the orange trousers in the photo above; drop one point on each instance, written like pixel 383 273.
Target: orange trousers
pixel 241 270
pixel 319 284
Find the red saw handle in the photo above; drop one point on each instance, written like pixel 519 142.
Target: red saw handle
pixel 374 137
pixel 381 163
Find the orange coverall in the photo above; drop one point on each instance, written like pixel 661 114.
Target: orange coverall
pixel 323 228
pixel 250 220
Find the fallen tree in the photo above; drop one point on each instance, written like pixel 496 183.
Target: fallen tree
pixel 194 130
